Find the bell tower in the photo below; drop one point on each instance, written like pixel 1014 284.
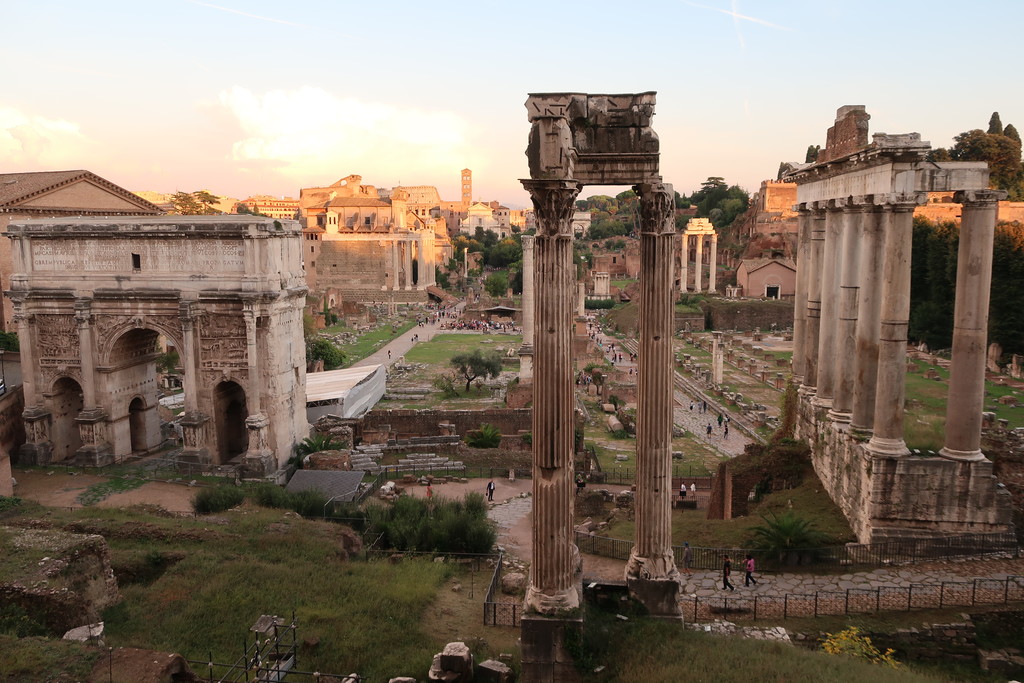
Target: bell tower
pixel 467 188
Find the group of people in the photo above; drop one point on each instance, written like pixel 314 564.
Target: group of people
pixel 748 568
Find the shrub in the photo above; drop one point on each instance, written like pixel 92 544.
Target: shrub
pixel 852 643
pixel 600 303
pixel 317 443
pixel 217 499
pixel 785 535
pixel 439 525
pixel 488 436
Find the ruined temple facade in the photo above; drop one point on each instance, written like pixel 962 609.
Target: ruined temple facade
pixel 95 300
pixel 368 247
pixel 852 304
pixel 578 139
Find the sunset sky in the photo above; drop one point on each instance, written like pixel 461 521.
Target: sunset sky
pixel 259 97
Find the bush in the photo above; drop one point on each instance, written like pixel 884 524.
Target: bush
pixel 600 303
pixel 439 525
pixel 217 499
pixel 488 436
pixel 851 643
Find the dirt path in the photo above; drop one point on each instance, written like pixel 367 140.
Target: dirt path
pixel 57 488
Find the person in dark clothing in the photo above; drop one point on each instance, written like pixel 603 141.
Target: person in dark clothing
pixel 726 573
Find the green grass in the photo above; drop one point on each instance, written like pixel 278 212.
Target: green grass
pixel 45 660
pixel 661 651
pixel 809 501
pixel 373 340
pixel 440 349
pixel 98 492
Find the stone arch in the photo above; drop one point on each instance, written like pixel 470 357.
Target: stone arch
pixel 113 327
pixel 129 376
pixel 229 412
pixel 137 424
pixel 65 402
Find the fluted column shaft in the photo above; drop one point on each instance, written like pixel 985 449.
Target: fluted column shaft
pixel 849 289
pixel 813 322
pixel 713 266
pixel 829 304
pixel 188 358
pixel 698 266
pixel 255 388
pixel 803 262
pixel 868 320
pixel 421 264
pixel 407 262
pixel 887 438
pixel 551 572
pixel 28 365
pixel 526 365
pixel 652 556
pixel 966 398
pixel 86 353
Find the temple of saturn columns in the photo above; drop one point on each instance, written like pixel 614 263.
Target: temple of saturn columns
pixel 856 206
pixel 578 139
pixel 698 235
pixel 95 297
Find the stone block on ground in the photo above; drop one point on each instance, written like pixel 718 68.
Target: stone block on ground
pixel 513 583
pixel 493 671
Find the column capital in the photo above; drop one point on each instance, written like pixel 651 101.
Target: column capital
pixel 83 312
pixel 657 206
pixel 528 241
pixel 858 204
pixel 553 204
pixel 900 201
pixel 979 198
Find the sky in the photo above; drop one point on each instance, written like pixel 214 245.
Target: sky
pixel 247 97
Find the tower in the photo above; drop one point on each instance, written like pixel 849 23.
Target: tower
pixel 467 188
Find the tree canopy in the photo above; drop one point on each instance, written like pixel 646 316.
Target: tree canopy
pixel 476 364
pixel 198 203
pixel 999 146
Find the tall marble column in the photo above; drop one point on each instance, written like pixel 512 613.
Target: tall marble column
pixel 91 420
pixel 713 266
pixel 259 459
pixel 684 263
pixel 552 588
pixel 887 438
pixel 421 264
pixel 194 424
pixel 526 350
pixel 846 337
pixel 803 260
pixel 698 266
pixel 813 324
pixel 407 262
pixel 86 353
pixel 253 395
pixel 829 304
pixel 717 358
pixel 651 571
pixel 862 421
pixel 966 399
pixel 396 266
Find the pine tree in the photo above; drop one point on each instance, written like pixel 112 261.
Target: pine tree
pixel 1011 133
pixel 995 126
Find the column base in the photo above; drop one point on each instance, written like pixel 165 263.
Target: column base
pixel 194 437
pixel 259 461
pixel 655 582
pixel 526 363
pixel 887 448
pixel 94 455
pixel 822 402
pixel 962 456
pixel 860 433
pixel 806 391
pixel 40 453
pixel 546 643
pixel 840 417
pixel 551 604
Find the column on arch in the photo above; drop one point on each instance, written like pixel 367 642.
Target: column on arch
pixel 652 557
pixel 966 399
pixel 552 588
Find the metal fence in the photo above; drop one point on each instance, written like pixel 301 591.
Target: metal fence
pixel 976 592
pixel 874 554
pixel 496 612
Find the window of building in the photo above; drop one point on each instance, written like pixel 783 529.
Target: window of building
pixel 136 262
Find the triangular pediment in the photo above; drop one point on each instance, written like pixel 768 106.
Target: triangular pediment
pixel 86 196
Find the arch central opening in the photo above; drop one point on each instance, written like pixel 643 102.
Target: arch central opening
pixel 230 412
pixel 66 402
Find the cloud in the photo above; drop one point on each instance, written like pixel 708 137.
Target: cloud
pixel 30 141
pixel 311 134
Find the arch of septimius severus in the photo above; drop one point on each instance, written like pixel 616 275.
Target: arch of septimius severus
pixel 852 307
pixel 94 296
pixel 575 140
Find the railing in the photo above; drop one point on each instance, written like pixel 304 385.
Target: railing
pixel 874 554
pixel 915 596
pixel 497 613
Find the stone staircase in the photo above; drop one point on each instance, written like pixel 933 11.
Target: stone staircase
pixel 368 457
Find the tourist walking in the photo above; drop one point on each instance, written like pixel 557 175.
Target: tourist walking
pixel 726 573
pixel 748 567
pixel 719 419
pixel 687 558
pixel 693 488
pixel 580 483
pixel 682 491
pixel 490 490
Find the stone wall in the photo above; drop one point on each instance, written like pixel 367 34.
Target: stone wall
pixel 748 315
pixel 404 423
pixel 906 497
pixel 930 642
pixel 12 435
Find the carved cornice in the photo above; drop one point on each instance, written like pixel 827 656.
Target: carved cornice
pixel 553 205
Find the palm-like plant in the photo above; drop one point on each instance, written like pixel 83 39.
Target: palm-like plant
pixel 317 443
pixel 488 436
pixel 786 534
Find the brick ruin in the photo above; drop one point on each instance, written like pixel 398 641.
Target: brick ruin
pixel 852 305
